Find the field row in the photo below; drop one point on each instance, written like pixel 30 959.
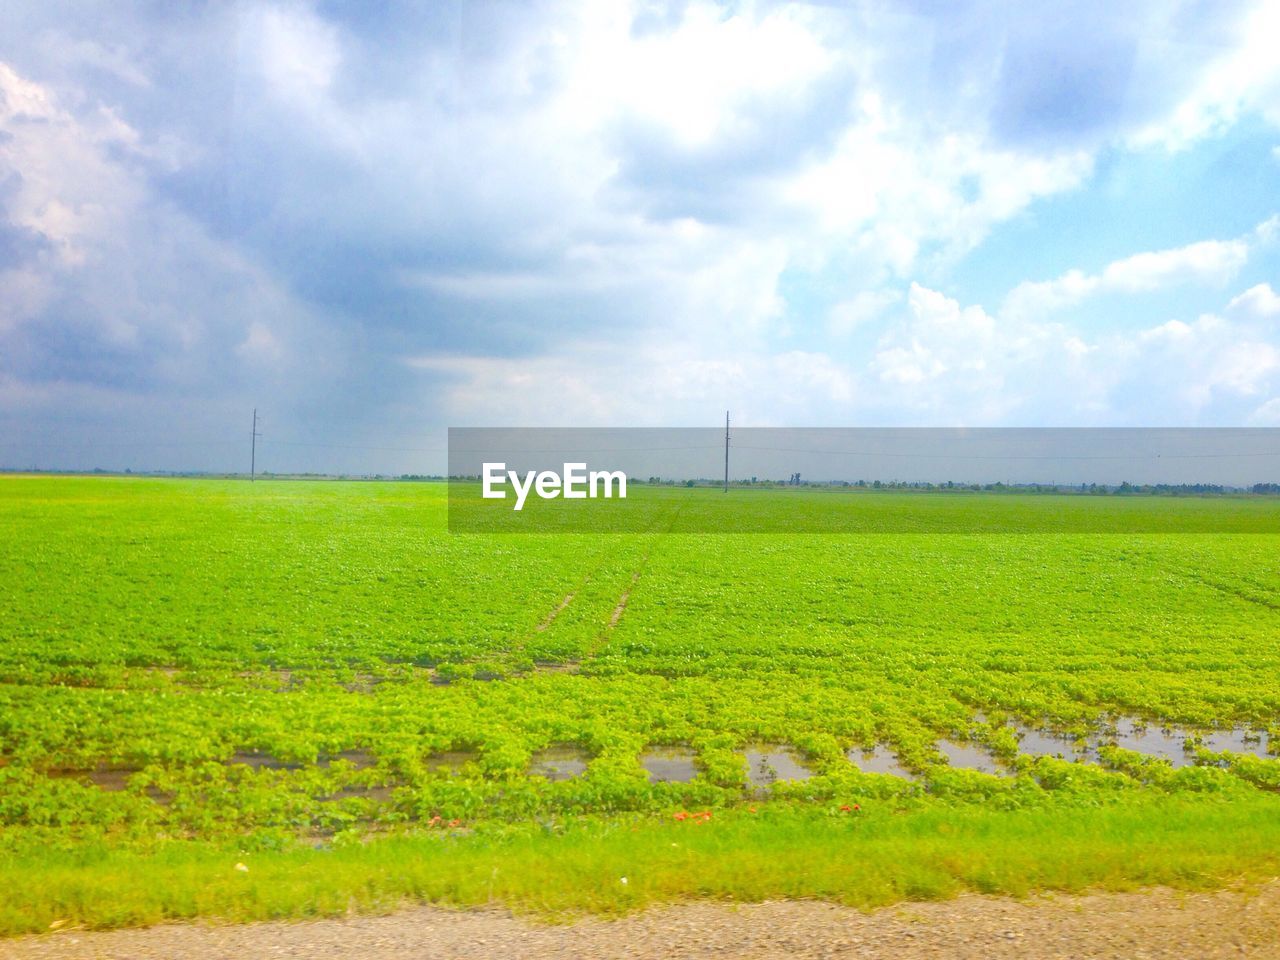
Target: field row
pixel 210 576
pixel 314 765
pixel 153 631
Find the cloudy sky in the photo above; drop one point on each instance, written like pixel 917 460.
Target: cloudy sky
pixel 373 226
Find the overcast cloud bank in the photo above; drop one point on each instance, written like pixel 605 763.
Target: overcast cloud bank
pixel 626 214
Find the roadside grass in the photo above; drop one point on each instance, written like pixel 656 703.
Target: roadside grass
pixel 559 871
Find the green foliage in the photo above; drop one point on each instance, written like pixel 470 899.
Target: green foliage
pixel 212 663
pixel 562 868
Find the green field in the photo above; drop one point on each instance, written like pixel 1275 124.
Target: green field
pixel 318 682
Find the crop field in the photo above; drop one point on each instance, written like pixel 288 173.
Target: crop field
pixel 292 697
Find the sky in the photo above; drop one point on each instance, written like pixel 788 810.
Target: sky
pixel 371 225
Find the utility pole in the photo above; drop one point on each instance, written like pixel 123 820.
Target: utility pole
pixel 253 446
pixel 726 451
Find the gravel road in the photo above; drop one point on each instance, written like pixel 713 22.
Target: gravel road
pixel 1151 924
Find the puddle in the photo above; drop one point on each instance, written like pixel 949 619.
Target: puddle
pixel 1238 740
pixel 1150 740
pixel 450 761
pixel 968 756
pixel 360 759
pixel 670 764
pixel 257 760
pixel 879 760
pixel 1048 743
pixel 561 761
pixel 770 762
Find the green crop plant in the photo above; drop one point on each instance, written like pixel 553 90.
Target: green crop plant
pixel 321 675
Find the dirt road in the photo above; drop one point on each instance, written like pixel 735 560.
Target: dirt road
pixel 1151 924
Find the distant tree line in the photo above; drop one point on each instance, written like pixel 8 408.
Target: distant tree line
pixel 1086 489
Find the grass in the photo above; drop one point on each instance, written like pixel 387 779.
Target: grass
pixel 152 632
pixel 862 859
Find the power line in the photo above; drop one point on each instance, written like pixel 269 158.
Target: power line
pixel 121 443
pixel 1063 456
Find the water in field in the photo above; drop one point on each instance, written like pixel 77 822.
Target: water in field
pixel 561 761
pixel 968 756
pixel 449 761
pixel 670 764
pixel 1148 738
pixel 1151 740
pixel 1239 740
pixel 878 760
pixel 1048 743
pixel 1175 744
pixel 770 762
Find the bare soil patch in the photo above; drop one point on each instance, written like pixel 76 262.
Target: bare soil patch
pixel 551 617
pixel 1151 924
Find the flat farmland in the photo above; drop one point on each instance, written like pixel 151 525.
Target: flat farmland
pixel 296 697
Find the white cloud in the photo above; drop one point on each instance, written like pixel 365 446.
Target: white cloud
pixel 940 362
pixel 691 82
pixel 940 338
pixel 590 132
pixel 1258 301
pixel 962 364
pixel 298 50
pixel 1200 361
pixel 1211 262
pixel 893 186
pixel 1267 415
pixel 760 388
pixel 1243 77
